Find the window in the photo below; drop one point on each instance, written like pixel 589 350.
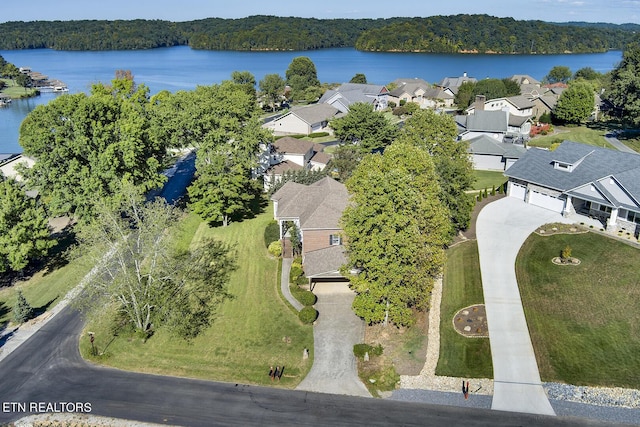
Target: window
pixel 633 217
pixel 335 239
pixel 604 208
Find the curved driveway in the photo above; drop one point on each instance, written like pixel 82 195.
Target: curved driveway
pixel 502 228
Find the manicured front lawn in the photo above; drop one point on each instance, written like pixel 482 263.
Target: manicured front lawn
pixel 583 319
pixel 248 335
pixel 462 287
pixel 581 134
pixel 488 179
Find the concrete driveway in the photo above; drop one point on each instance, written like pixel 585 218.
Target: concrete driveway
pixel 336 331
pixel 502 228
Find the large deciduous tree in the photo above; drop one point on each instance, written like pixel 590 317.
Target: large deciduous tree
pixel 24 231
pixel 437 133
pixel 396 228
pixel 301 75
pixel 368 129
pixel 559 74
pixel 143 276
pixel 231 133
pixel 576 103
pixel 86 146
pixel 272 89
pixel 625 84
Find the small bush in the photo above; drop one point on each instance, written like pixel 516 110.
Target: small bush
pixel 399 111
pixel 485 194
pixel 308 315
pixel 271 233
pixel 294 273
pixel 275 248
pixel 307 298
pixel 493 190
pixel 318 134
pixel 359 350
pixel 566 253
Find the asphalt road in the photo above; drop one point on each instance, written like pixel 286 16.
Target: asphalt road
pixel 48 368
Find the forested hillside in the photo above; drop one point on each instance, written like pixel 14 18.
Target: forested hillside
pixel 441 34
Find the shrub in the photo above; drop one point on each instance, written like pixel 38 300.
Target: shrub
pixel 403 102
pixel 318 134
pixel 307 298
pixel 399 111
pixel 294 273
pixel 275 248
pixel 392 104
pixel 359 350
pixel 493 190
pixel 308 315
pixel 22 311
pixel 271 233
pixel 566 253
pixel 485 194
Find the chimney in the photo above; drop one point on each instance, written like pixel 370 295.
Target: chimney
pixel 479 104
pixel 464 74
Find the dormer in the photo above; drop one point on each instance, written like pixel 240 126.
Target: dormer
pixel 568 166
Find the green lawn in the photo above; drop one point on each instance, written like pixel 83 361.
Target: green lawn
pixel 581 134
pixel 15 91
pixel 583 319
pixel 44 289
pixel 488 179
pixel 462 287
pixel 247 335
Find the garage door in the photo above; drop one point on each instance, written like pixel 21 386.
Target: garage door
pixel 546 201
pixel 516 190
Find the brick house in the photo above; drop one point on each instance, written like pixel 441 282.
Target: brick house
pixel 316 210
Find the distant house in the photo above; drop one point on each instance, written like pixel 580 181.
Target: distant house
pixel 543 104
pixel 489 154
pixel 316 210
pixel 420 92
pixel 583 179
pixel 304 120
pixel 515 105
pixel 9 163
pixel 454 83
pixel 350 93
pixel 4 99
pixel 289 154
pixel 529 87
pixel 499 125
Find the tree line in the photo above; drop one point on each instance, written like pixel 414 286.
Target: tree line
pixel 437 34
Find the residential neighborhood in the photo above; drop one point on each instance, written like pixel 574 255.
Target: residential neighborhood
pixel 401 252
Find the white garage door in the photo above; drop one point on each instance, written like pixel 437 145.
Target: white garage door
pixel 516 190
pixel 546 201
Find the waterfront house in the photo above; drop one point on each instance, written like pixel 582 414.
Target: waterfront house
pixel 304 120
pixel 454 83
pixel 316 210
pixel 349 93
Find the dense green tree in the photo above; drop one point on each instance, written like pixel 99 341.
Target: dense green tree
pixel 246 80
pixel 227 152
pixel 23 80
pixel 301 75
pixel 24 230
pixel 437 133
pixel 576 103
pixel 145 277
pixel 396 228
pixel 344 161
pixel 359 78
pixel 512 87
pixel 369 130
pixel 465 95
pixel 86 146
pixel 625 84
pixel 491 88
pixel 272 89
pixel 559 74
pixel 587 73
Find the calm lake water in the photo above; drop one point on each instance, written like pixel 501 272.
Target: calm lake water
pixel 179 68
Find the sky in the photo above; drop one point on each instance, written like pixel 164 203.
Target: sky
pixel 612 11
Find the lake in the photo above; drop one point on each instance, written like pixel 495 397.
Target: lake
pixel 181 67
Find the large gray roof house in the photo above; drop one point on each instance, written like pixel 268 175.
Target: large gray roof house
pixel 583 179
pixel 316 210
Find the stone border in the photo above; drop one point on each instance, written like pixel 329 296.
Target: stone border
pixel 572 261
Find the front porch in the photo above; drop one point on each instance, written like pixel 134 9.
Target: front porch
pixel 609 218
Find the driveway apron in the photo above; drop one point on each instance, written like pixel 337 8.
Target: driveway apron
pixel 502 228
pixel 335 332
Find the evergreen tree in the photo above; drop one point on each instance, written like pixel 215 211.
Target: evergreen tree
pixel 22 311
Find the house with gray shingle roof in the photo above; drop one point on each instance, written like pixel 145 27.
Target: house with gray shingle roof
pixel 454 83
pixel 350 93
pixel 316 210
pixel 490 154
pixel 583 179
pixel 290 154
pixel 304 120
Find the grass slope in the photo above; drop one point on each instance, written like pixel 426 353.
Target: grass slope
pixel 581 134
pixel 583 319
pixel 462 286
pixel 488 179
pixel 247 335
